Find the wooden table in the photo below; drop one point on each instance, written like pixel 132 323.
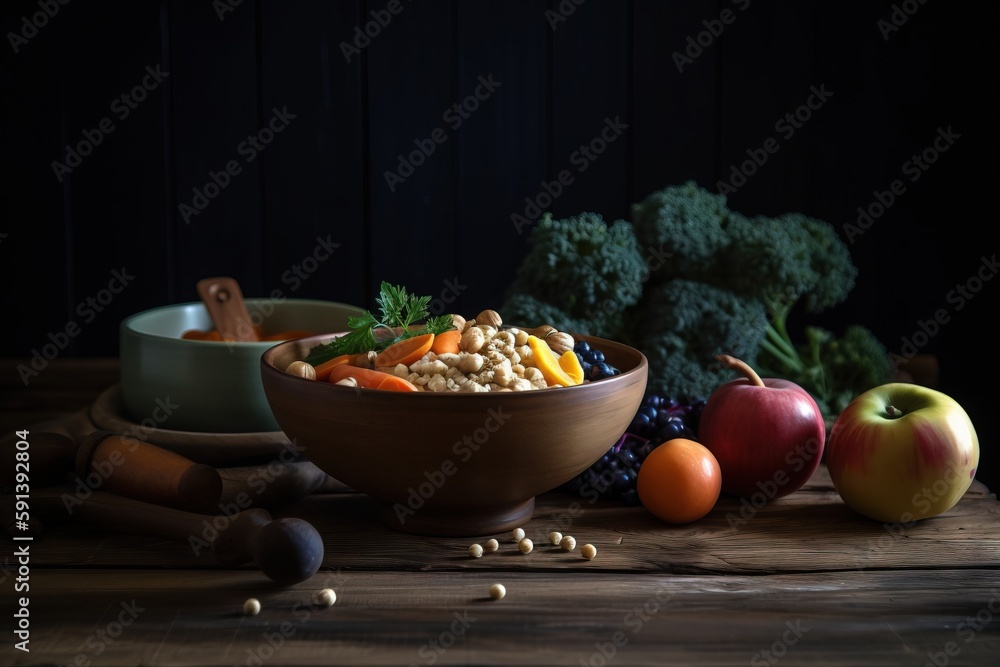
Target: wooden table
pixel 799 581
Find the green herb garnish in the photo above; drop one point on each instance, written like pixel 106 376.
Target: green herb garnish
pixel 398 312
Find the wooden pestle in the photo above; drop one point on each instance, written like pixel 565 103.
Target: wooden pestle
pixel 147 472
pixel 287 550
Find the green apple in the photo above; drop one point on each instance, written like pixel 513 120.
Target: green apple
pixel 902 452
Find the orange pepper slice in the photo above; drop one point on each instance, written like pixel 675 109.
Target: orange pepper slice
pixel 550 365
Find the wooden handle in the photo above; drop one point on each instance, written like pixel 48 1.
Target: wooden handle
pixel 287 550
pixel 223 298
pixel 147 472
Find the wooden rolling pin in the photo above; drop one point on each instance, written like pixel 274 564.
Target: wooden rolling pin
pixel 118 463
pixel 287 550
pixel 147 472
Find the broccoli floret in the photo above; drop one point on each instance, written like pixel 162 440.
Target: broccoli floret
pixel 687 223
pixel 684 324
pixel 794 259
pixel 845 366
pixel 587 269
pixel 830 260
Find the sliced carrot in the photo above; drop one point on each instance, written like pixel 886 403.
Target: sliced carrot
pixel 323 369
pixel 405 351
pixel 195 334
pixel 368 378
pixel 447 342
pixel 396 383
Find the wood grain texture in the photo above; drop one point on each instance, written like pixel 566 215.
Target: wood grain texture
pixel 412 222
pixel 392 618
pixel 304 71
pixel 676 105
pixel 66 385
pixel 216 130
pixel 506 41
pixel 803 582
pixel 592 108
pixel 812 531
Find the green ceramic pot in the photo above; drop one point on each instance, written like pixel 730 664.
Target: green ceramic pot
pixel 209 386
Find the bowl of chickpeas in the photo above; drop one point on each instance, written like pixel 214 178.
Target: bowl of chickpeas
pixel 450 459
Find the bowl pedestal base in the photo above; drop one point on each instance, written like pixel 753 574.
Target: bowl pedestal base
pixel 455 523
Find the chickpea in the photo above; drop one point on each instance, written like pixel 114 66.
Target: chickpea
pixel 302 370
pixel 491 545
pixel 525 545
pixel 554 538
pixel 326 597
pixel 518 534
pixel 588 551
pixel 251 607
pixel 568 543
pixel 497 591
pixel 366 359
pixel 476 551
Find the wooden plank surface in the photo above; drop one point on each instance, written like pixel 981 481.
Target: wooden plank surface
pixel 391 618
pixel 812 530
pixel 803 581
pixel 62 387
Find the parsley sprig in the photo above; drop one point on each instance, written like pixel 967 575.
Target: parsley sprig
pixel 398 312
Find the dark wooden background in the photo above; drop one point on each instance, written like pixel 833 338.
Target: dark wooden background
pixel 563 68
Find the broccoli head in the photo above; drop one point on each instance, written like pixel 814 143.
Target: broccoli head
pixel 684 324
pixel 688 223
pixel 787 260
pixel 585 268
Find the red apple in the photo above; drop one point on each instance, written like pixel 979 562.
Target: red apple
pixel 768 435
pixel 902 452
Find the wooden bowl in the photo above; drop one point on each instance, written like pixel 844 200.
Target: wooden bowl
pixel 453 464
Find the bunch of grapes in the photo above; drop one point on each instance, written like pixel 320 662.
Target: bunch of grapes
pixel 658 419
pixel 662 418
pixel 593 363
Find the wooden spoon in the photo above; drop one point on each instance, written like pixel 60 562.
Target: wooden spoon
pixel 224 300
